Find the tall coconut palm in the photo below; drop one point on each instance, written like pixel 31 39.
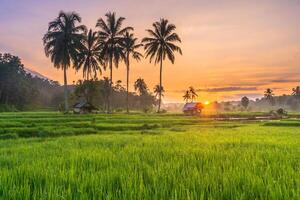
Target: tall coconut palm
pixel 193 93
pixel 111 37
pixel 62 43
pixel 89 58
pixel 130 45
pixel 186 96
pixel 160 45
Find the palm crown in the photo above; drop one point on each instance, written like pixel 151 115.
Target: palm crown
pixel 193 93
pixel 141 86
pixel 64 39
pixel 160 44
pixel 269 93
pixel 89 58
pixel 296 91
pixel 130 45
pixel 158 90
pixel 111 37
pixel 186 96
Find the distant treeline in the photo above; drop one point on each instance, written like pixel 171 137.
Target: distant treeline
pixel 21 91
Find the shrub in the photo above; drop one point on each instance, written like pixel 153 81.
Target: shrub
pixel 281 111
pixel 8 108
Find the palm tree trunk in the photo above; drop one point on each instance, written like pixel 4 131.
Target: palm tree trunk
pixel 160 85
pixel 66 89
pixel 110 86
pixel 127 84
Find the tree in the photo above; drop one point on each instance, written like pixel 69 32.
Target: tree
pixel 89 58
pixel 245 102
pixel 62 43
pixel 141 86
pixel 111 38
pixel 119 87
pixel 158 90
pixel 296 92
pixel 186 96
pixel 269 95
pixel 130 46
pixel 105 91
pixel 160 45
pixel 193 93
pixel 86 90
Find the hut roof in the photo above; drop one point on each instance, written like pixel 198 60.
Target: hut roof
pixel 191 106
pixel 84 104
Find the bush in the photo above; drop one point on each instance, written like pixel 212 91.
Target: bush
pixel 281 111
pixel 8 108
pixel 147 110
pixel 163 111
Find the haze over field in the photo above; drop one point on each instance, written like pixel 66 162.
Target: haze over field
pixel 230 48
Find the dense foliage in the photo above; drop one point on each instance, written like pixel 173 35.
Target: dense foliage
pixel 97 92
pixel 20 90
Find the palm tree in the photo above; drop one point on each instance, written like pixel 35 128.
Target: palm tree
pixel 296 91
pixel 160 45
pixel 187 96
pixel 111 37
pixel 193 93
pixel 158 90
pixel 130 46
pixel 141 86
pixel 62 43
pixel 269 96
pixel 89 58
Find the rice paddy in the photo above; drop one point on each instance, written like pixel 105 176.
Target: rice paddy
pixel 55 156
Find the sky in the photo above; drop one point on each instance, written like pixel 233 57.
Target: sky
pixel 231 48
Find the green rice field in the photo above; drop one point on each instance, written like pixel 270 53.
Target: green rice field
pixel 48 155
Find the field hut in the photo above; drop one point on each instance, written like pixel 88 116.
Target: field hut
pixel 193 108
pixel 83 108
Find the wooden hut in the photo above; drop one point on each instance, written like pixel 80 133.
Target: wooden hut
pixel 83 107
pixel 194 108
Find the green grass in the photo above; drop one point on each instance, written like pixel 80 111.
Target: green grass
pixel 54 156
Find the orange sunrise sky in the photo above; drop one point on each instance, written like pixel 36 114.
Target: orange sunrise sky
pixel 230 48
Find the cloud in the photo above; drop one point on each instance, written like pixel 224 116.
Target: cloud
pixel 227 89
pixel 237 97
pixel 221 89
pixel 285 81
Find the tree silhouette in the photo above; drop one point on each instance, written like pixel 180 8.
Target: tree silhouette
pixel 130 46
pixel 158 90
pixel 89 58
pixel 141 86
pixel 296 92
pixel 186 96
pixel 160 45
pixel 111 37
pixel 269 95
pixel 62 43
pixel 245 102
pixel 193 93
